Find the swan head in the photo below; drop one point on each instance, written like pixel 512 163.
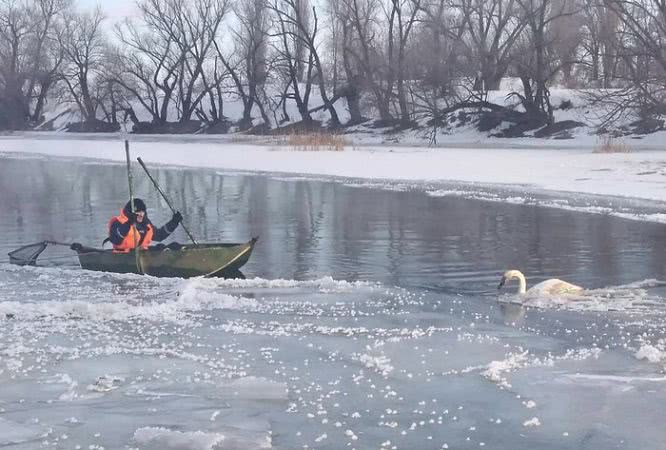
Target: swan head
pixel 513 275
pixel 510 275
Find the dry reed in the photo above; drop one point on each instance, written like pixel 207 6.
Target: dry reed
pixel 316 141
pixel 610 144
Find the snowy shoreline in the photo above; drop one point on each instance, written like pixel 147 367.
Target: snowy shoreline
pixel 585 140
pixel 630 185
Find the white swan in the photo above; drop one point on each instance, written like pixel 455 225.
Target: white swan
pixel 552 286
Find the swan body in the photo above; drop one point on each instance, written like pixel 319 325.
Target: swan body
pixel 552 286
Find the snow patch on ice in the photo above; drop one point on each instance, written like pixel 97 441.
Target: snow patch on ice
pixel 651 353
pixel 496 369
pixel 614 379
pixel 533 422
pixel 170 439
pixel 379 363
pixel 258 388
pixel 323 284
pixel 17 433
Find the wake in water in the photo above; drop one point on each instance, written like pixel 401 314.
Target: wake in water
pixel 645 296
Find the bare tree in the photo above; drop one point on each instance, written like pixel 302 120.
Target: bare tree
pixel 213 87
pixel 196 32
pixel 362 46
pixel 341 42
pixel 300 10
pixel 601 27
pixel 641 44
pixel 402 16
pixel 493 27
pixel 28 59
pixel 285 44
pixel 84 48
pixel 438 46
pixel 536 61
pixel 434 62
pixel 247 64
pixel 566 34
pixel 299 26
pixel 166 65
pixel 147 68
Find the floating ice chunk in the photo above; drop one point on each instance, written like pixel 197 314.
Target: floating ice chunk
pixel 533 422
pixel 16 433
pixel 258 388
pixel 380 363
pixel 651 353
pixel 323 284
pixel 351 435
pixel 495 369
pixel 106 383
pixel 164 438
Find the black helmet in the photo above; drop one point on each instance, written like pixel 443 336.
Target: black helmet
pixel 139 205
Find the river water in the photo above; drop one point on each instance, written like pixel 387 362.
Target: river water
pixel 369 319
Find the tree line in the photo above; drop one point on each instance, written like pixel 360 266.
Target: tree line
pixel 394 60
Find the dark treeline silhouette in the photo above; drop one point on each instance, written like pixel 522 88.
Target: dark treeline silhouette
pixel 173 66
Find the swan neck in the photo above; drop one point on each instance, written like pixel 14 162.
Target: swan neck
pixel 522 287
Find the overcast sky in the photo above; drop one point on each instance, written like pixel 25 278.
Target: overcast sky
pixel 114 10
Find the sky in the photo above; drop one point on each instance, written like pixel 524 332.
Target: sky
pixel 113 9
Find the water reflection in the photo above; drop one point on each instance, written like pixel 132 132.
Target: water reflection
pixel 310 229
pixel 512 314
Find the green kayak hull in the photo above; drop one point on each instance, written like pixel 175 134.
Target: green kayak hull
pixel 185 262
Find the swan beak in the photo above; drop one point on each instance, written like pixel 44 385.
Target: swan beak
pixel 501 283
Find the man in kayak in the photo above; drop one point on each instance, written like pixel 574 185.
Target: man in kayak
pixel 125 228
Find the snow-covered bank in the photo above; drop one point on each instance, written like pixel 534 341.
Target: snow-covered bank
pixel 567 170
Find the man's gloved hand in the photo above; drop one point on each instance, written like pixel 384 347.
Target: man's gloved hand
pixel 131 218
pixel 177 218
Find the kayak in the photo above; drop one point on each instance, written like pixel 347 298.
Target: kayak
pixel 215 259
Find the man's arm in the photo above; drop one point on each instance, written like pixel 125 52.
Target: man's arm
pixel 163 232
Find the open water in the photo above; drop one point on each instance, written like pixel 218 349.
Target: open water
pixel 369 319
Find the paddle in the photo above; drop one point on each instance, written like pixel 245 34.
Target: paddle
pixel 136 232
pixel 157 186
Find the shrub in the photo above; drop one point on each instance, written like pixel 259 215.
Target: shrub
pixel 610 144
pixel 566 104
pixel 316 141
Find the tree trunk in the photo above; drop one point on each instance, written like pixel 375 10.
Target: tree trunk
pixel 402 102
pixel 595 65
pixel 354 104
pixel 41 100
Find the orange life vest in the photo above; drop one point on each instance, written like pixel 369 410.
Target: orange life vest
pixel 129 243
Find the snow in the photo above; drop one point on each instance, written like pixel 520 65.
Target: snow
pixel 16 433
pixel 163 438
pixel 568 168
pixel 533 422
pixel 651 354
